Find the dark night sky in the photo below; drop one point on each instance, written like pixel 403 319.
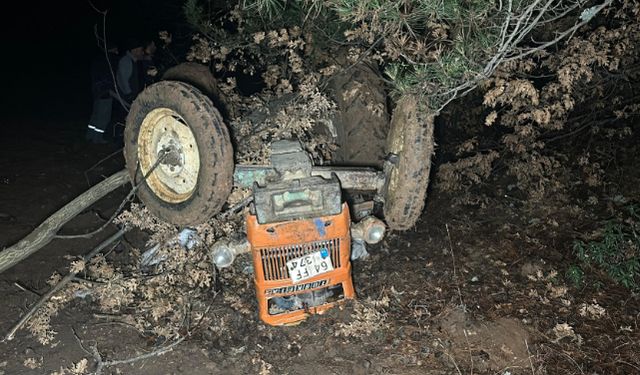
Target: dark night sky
pixel 48 46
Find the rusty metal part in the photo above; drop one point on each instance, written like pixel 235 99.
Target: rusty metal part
pixel 390 162
pixel 296 199
pixel 171 156
pixel 353 178
pixel 360 210
pixel 290 160
pixel 164 133
pixel 362 179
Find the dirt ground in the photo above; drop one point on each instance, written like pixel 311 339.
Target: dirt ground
pixel 468 291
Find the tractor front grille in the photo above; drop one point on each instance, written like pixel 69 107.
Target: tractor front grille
pixel 274 259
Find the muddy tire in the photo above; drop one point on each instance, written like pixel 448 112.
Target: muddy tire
pixel 362 120
pixel 410 146
pixel 192 184
pixel 200 77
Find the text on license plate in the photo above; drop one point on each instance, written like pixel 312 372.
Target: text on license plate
pixel 309 265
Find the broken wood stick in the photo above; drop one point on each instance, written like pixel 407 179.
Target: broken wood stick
pixel 46 231
pixel 101 365
pixel 65 280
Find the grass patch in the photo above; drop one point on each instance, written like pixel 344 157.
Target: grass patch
pixel 614 251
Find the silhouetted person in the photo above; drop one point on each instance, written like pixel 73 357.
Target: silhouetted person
pixel 102 85
pixel 129 84
pixel 129 81
pixel 148 70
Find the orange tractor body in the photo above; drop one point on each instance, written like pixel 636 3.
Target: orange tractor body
pixel 285 298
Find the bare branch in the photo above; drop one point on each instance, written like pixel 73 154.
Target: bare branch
pixel 160 351
pixel 92 5
pixel 65 280
pixel 46 231
pixel 531 17
pixel 561 36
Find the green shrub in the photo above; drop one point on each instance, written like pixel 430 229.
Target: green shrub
pixel 616 252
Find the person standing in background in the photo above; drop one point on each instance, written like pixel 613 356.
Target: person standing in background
pixel 129 85
pixel 102 85
pixel 148 68
pixel 129 81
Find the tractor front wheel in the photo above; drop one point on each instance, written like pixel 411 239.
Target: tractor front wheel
pixel 410 146
pixel 178 150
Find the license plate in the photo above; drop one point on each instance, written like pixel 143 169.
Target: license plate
pixel 310 265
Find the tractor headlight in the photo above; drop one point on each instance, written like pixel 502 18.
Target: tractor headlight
pixel 370 229
pixel 224 252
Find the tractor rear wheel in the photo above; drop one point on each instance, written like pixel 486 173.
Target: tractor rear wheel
pixel 361 119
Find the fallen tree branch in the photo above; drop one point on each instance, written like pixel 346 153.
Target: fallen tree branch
pixel 65 280
pixel 126 200
pixel 116 152
pixel 103 364
pixel 46 231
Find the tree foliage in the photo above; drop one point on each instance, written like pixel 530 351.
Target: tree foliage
pixel 535 61
pixel 557 118
pixel 438 49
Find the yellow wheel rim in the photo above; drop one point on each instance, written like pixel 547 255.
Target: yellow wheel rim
pixel 175 179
